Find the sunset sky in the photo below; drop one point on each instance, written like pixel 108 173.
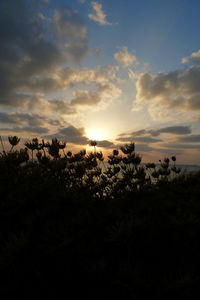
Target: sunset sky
pixel 117 71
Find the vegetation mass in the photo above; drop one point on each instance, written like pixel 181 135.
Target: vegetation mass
pixel 72 223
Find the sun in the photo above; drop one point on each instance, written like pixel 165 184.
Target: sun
pixel 95 135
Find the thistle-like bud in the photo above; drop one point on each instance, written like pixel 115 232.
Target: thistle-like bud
pixel 99 155
pixel 13 140
pixel 69 153
pixel 62 145
pixel 115 152
pixel 82 152
pixel 137 160
pixel 128 149
pixel 166 160
pixel 93 143
pixel 39 155
pixel 155 174
pixel 34 145
pixel 54 150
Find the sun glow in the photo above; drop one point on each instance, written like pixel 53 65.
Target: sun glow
pixel 95 135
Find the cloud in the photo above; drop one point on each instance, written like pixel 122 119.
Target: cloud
pixel 179 138
pixel 61 107
pixel 132 75
pixel 177 130
pixel 147 135
pixel 70 28
pixel 26 122
pixel 21 118
pixel 143 139
pixel 58 80
pixel 85 98
pixel 99 15
pixel 190 139
pixel 105 144
pixel 34 48
pixel 140 147
pixel 134 133
pixel 104 92
pixel 143 147
pixel 124 58
pixel 77 136
pixel 170 152
pixel 176 136
pixel 70 134
pixel 177 90
pixel 26 129
pixel 194 58
pixel 181 146
pixel 65 77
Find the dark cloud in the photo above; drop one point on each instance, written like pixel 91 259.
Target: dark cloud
pixel 170 152
pixel 139 147
pixel 61 107
pixel 21 118
pixel 34 43
pixel 25 122
pixel 139 132
pixel 70 134
pixel 147 134
pixel 26 129
pixel 143 148
pixel 181 146
pixel 182 134
pixel 190 139
pixel 177 130
pixel 134 133
pixel 143 139
pixel 105 144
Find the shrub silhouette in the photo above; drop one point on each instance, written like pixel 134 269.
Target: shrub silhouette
pixel 72 222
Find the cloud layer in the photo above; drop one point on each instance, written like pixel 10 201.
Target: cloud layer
pixel 177 137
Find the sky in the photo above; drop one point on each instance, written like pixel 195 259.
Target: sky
pixel 116 71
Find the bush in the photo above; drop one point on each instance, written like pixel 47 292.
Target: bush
pixel 72 222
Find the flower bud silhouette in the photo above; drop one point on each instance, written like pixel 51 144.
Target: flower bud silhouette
pixel 13 140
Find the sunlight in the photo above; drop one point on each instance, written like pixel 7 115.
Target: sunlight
pixel 95 135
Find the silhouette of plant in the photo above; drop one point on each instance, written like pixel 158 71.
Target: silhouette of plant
pixel 13 140
pixel 115 224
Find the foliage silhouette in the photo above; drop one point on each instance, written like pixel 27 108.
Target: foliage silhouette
pixel 71 222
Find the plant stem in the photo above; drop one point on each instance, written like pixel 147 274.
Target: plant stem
pixel 2 144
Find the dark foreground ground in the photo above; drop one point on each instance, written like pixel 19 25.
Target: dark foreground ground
pixel 133 243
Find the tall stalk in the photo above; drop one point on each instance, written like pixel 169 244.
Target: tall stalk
pixel 2 144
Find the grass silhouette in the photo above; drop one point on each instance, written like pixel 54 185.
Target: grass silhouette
pixel 70 225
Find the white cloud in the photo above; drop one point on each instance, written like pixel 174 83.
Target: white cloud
pixel 194 58
pixel 99 15
pixel 125 58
